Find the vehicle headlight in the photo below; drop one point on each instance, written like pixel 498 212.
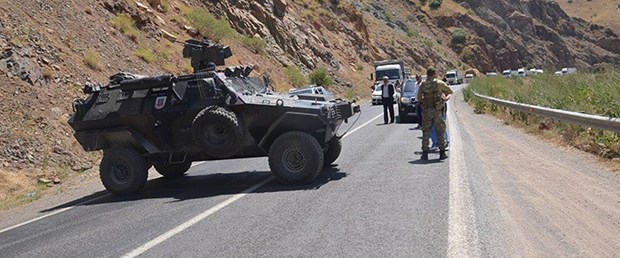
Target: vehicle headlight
pixel 404 100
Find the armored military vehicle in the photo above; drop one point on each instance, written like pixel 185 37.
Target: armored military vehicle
pixel 170 121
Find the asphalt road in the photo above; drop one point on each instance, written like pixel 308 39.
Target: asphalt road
pixel 380 200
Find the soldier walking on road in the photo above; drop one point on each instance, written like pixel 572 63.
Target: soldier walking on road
pixel 432 96
pixel 387 91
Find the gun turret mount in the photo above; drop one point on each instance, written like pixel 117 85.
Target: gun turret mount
pixel 202 53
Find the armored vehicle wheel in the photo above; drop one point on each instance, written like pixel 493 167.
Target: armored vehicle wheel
pixel 172 170
pixel 295 157
pixel 123 170
pixel 218 132
pixel 334 148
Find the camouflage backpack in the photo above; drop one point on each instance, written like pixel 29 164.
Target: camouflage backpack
pixel 431 96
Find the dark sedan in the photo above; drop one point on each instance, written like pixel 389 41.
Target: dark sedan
pixel 407 102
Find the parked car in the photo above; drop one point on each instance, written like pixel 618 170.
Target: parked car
pixel 535 71
pixel 312 92
pixel 491 74
pixel 377 94
pixel 521 72
pixel 407 101
pixel 507 73
pixel 569 70
pixel 469 77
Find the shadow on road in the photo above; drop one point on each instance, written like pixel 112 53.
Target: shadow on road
pixel 424 162
pixel 201 186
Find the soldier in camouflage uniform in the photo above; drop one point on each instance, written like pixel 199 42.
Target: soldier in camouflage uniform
pixel 432 96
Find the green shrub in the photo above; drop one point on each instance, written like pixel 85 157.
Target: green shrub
pixel 435 4
pixel 412 33
pixel 467 54
pixel 126 25
pixel 458 38
pixel 428 42
pixel 210 26
pixel 359 68
pixel 295 76
pixel 350 95
pixel 145 53
pixel 389 16
pixel 256 44
pixel 321 77
pixel 165 5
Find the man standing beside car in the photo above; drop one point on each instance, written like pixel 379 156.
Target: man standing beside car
pixel 387 94
pixel 432 96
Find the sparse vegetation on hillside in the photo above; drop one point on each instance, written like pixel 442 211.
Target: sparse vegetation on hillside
pixel 321 77
pixel 295 76
pixel 435 4
pixel 208 25
pixel 145 53
pixel 412 33
pixel 256 44
pixel 126 25
pixel 458 38
pixel 588 93
pixel 92 59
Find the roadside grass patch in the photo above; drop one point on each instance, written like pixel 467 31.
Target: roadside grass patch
pixel 597 94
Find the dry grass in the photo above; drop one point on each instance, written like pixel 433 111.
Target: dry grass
pixel 92 59
pixel 170 68
pixel 17 189
pixel 604 12
pixel 145 53
pixel 126 25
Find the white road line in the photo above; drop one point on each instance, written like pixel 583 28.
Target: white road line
pixel 53 213
pixel 161 238
pixel 360 127
pixel 150 244
pixel 462 233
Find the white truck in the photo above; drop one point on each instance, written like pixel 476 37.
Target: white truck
pixel 454 77
pixel 395 70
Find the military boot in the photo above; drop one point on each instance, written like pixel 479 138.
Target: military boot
pixel 424 155
pixel 442 155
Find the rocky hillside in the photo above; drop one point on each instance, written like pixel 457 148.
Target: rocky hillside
pixel 48 49
pixel 602 12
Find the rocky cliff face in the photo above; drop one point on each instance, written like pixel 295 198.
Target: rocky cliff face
pixel 501 34
pixel 517 33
